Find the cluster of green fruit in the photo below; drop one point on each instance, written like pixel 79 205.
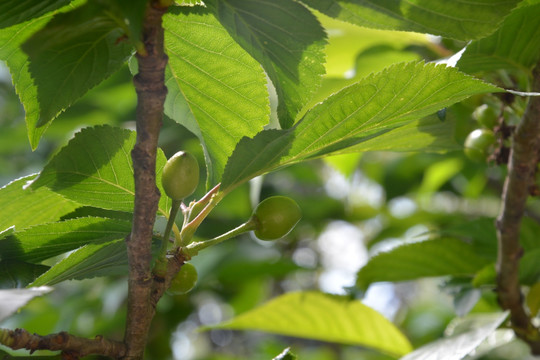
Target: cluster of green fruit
pixel 480 143
pixel 273 218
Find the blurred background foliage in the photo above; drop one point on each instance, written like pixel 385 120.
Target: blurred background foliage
pixel 353 207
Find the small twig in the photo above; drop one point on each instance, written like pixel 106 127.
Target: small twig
pixel 74 346
pixel 520 178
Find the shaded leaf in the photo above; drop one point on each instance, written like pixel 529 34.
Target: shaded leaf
pixel 528 235
pixel 319 316
pixel 7 232
pixel 95 169
pixel 457 347
pixel 480 233
pixel 18 274
pixel 92 260
pixel 359 113
pixel 107 259
pixel 13 12
pixel 286 39
pixel 128 14
pixel 216 90
pixel 429 258
pixel 529 272
pixel 462 20
pixel 515 45
pixel 11 300
pixel 44 241
pixel 74 52
pixel 23 207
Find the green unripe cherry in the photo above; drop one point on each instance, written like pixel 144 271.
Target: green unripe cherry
pixel 275 217
pixel 478 144
pixel 180 175
pixel 486 116
pixel 184 281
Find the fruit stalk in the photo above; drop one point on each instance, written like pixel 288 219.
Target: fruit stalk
pixel 160 268
pixel 194 248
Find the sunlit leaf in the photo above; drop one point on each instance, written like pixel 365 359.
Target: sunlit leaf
pixel 286 355
pixel 319 316
pixel 430 258
pixel 22 207
pixel 459 346
pixel 286 39
pixel 426 135
pixel 95 169
pixel 460 20
pixel 11 300
pixel 216 90
pixel 74 52
pixel 17 62
pixel 359 113
pixel 515 45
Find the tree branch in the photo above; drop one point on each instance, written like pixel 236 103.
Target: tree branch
pixel 74 346
pixel 520 179
pixel 151 93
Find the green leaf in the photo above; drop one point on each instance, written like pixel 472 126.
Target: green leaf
pixel 74 52
pixel 431 258
pixel 18 274
pixel 216 90
pixel 23 207
pixel 325 317
pixel 529 273
pixel 7 232
pixel 95 169
pixel 11 40
pixel 515 45
pixel 189 2
pixel 462 20
pixel 528 235
pixel 359 113
pixel 11 300
pixel 286 39
pixel 92 260
pixel 44 241
pixel 128 14
pixel 428 134
pixel 480 233
pixel 458 346
pixel 13 12
pixel 286 355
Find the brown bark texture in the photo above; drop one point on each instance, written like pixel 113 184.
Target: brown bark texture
pixel 520 180
pixel 72 347
pixel 151 93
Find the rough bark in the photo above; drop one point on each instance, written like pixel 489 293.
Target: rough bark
pixel 71 346
pixel 151 92
pixel 519 182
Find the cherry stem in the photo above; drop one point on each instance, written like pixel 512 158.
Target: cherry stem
pixel 160 266
pixel 194 248
pixel 193 218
